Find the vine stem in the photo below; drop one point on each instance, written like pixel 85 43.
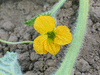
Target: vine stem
pixel 74 48
pixel 57 7
pixel 16 42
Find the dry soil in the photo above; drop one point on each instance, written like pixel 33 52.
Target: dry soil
pixel 13 13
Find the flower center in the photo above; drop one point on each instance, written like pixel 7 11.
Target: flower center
pixel 51 35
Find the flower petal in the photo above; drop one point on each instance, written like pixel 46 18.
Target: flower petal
pixel 44 24
pixel 63 35
pixel 52 48
pixel 39 45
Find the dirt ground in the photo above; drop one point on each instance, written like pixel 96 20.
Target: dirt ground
pixel 13 13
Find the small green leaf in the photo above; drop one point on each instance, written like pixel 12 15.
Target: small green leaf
pixel 31 22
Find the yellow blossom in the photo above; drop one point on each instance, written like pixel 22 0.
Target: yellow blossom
pixel 51 39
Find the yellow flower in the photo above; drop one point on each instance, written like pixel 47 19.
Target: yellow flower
pixel 51 39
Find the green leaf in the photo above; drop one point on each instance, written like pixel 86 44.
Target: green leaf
pixel 2 73
pixel 9 64
pixel 31 22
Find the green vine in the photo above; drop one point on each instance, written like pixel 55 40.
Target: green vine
pixel 57 6
pixel 70 58
pixel 15 42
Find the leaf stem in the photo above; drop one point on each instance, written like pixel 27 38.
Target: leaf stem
pixel 57 7
pixel 70 58
pixel 15 42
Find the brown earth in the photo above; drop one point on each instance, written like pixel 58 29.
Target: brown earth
pixel 14 12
